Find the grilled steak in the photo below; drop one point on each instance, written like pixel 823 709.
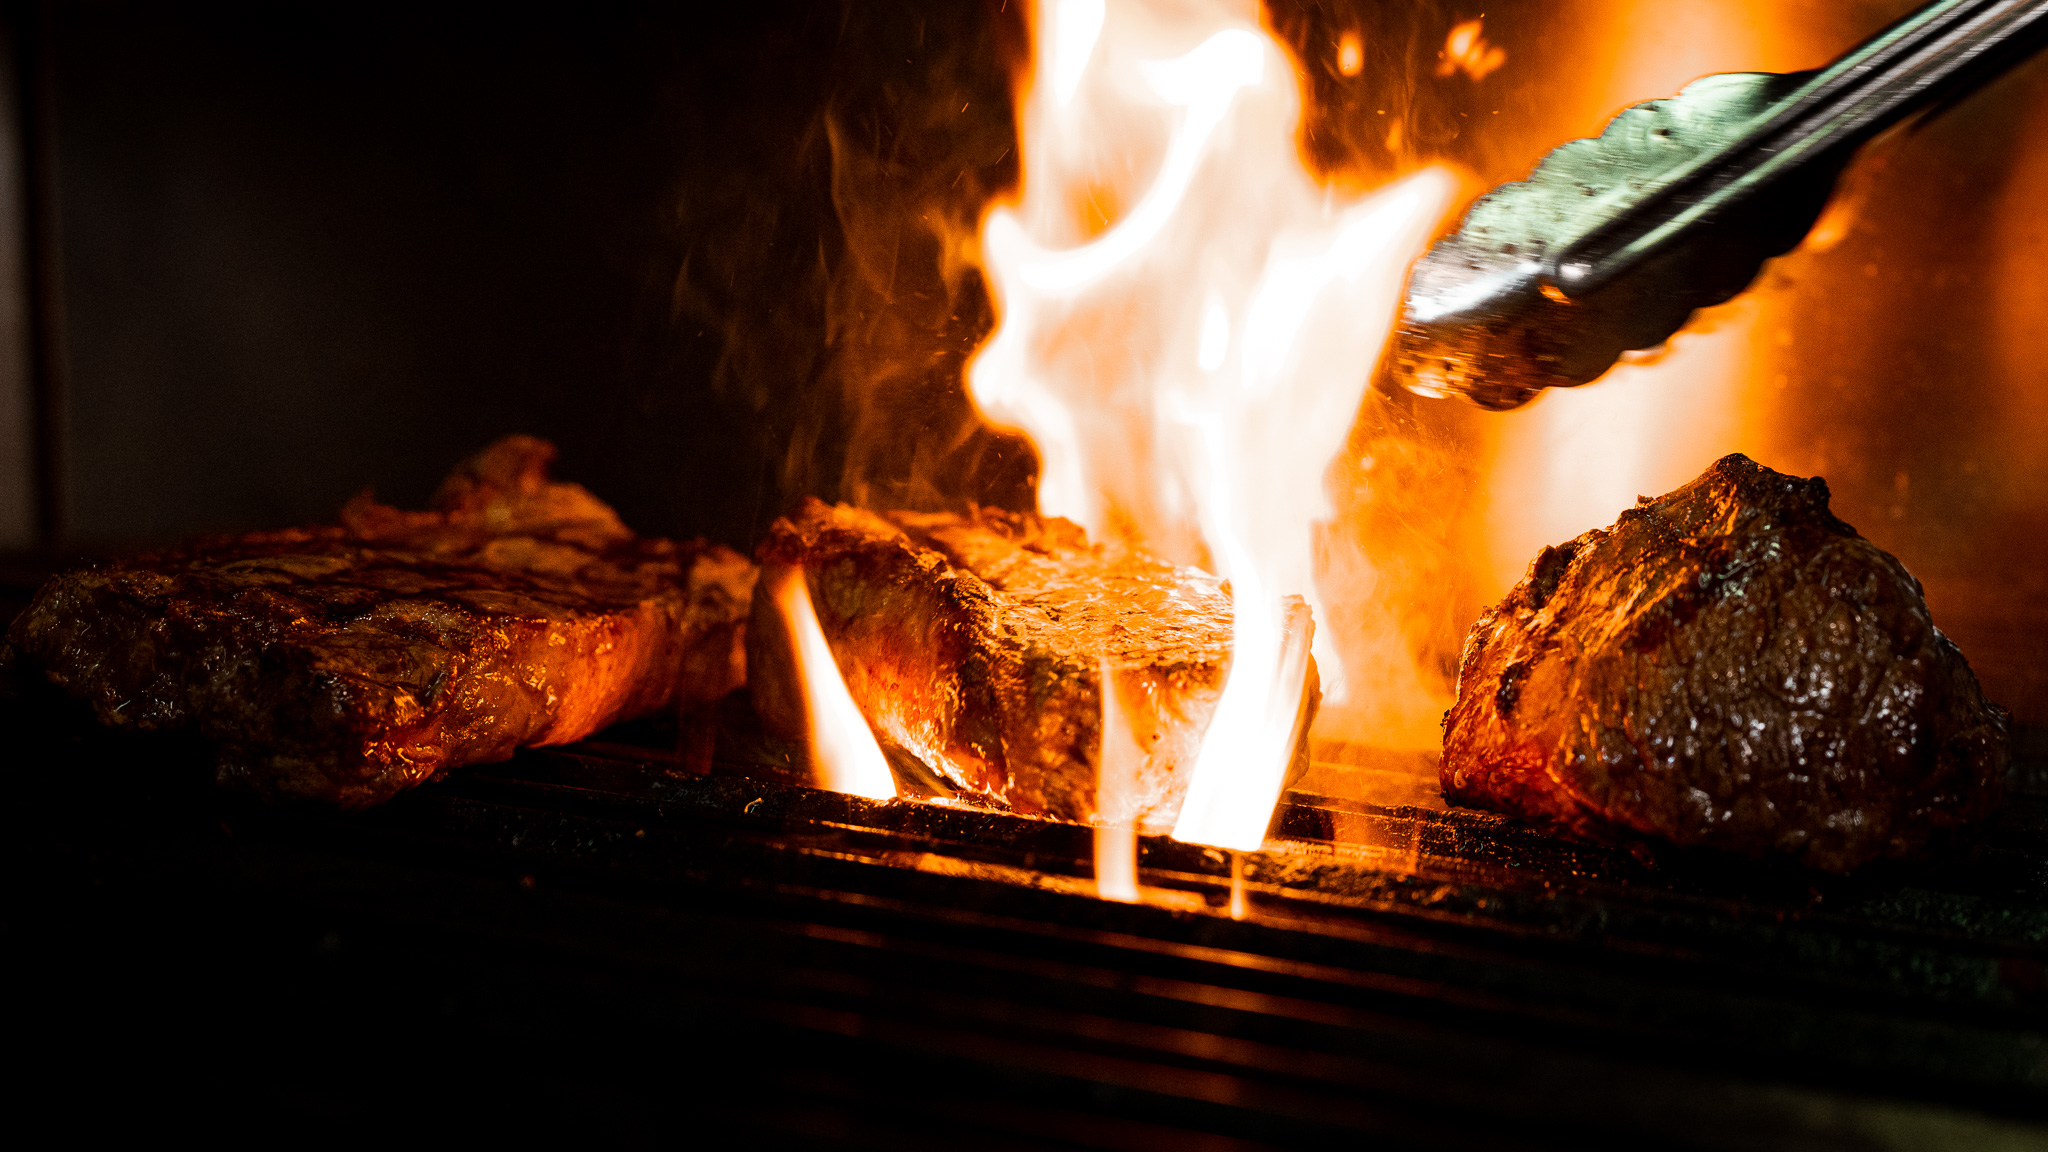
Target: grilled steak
pixel 344 663
pixel 1728 666
pixel 976 643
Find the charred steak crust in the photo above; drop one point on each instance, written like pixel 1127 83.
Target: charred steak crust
pixel 345 663
pixel 1728 666
pixel 976 643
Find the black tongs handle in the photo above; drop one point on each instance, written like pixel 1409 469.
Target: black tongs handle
pixel 1936 53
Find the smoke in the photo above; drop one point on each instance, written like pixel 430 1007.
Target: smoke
pixel 821 270
pixel 916 153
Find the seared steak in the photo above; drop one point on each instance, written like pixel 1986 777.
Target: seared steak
pixel 1728 666
pixel 344 663
pixel 977 643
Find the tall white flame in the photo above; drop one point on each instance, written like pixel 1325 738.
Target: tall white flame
pixel 1116 780
pixel 846 755
pixel 1188 321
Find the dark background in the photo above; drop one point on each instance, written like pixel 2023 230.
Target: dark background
pixel 313 247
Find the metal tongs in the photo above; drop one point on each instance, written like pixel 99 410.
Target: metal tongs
pixel 1611 243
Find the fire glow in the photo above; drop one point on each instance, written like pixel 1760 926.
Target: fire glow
pixel 1187 322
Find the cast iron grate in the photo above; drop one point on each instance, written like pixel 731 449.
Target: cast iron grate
pixel 600 939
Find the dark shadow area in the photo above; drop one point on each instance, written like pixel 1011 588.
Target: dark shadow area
pixel 310 249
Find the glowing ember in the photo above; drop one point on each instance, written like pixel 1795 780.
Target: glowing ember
pixel 1467 48
pixel 842 745
pixel 1350 55
pixel 1187 325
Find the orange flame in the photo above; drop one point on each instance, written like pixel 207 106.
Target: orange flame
pixel 842 744
pixel 1467 48
pixel 1187 325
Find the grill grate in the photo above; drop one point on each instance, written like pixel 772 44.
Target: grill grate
pixel 598 939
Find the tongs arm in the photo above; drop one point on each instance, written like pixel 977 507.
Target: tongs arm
pixel 1611 243
pixel 1934 53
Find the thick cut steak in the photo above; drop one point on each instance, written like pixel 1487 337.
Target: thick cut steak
pixel 978 643
pixel 1728 666
pixel 344 663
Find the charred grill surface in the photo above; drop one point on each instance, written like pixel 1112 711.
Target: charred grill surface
pixel 344 663
pixel 1405 978
pixel 1729 666
pixel 977 643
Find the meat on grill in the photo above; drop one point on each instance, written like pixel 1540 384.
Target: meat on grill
pixel 976 643
pixel 345 663
pixel 1728 666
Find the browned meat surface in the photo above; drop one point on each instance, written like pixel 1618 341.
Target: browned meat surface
pixel 977 643
pixel 1728 666
pixel 345 663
